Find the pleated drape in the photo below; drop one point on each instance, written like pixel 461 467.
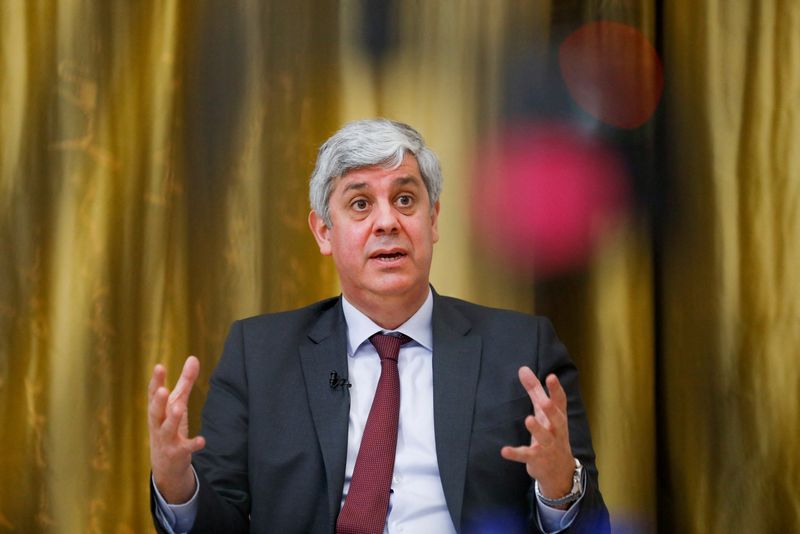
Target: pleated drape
pixel 154 159
pixel 731 273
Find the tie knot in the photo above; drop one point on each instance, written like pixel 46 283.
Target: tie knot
pixel 388 345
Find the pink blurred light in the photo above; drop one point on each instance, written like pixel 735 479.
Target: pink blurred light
pixel 543 196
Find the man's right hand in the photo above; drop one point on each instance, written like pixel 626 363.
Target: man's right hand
pixel 168 421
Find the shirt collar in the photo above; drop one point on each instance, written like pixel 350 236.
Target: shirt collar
pixel 419 326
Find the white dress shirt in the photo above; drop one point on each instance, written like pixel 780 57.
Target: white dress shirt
pixel 417 502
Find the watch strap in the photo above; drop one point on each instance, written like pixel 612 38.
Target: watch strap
pixel 572 496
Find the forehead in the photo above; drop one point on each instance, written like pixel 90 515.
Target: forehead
pixel 406 174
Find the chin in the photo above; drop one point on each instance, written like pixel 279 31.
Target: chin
pixel 396 287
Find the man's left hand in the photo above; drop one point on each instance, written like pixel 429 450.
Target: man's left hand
pixel 548 458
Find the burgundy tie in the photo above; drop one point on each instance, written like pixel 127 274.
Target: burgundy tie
pixel 367 502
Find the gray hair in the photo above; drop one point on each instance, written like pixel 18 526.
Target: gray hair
pixel 366 143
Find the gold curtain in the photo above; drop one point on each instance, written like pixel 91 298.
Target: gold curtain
pixel 153 172
pixel 731 274
pixel 137 223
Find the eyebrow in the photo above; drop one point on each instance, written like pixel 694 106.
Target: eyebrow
pixel 354 185
pixel 405 180
pixel 401 180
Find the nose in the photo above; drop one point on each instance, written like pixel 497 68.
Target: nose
pixel 386 221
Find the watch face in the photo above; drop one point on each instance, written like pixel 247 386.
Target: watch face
pixel 577 477
pixel 576 483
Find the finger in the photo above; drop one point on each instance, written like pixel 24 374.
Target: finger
pixel 191 370
pixel 156 380
pixel 156 411
pixel 536 392
pixel 195 444
pixel 532 385
pixel 549 414
pixel 540 434
pixel 171 424
pixel 517 454
pixel 557 393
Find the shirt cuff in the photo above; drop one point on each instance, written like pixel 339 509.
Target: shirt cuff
pixel 552 520
pixel 177 518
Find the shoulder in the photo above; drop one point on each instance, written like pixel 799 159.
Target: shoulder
pixel 488 319
pixel 288 321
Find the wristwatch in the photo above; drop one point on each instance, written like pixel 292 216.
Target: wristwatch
pixel 572 496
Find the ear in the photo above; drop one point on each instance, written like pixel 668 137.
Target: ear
pixel 321 233
pixel 434 221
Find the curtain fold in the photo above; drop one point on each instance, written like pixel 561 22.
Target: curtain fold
pixel 730 280
pixel 137 223
pixel 154 159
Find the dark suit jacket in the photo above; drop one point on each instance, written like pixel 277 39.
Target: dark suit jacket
pixel 276 431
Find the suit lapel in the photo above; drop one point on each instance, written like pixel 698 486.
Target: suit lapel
pixel 326 351
pixel 456 364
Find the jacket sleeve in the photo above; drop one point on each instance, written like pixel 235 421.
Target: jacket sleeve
pixel 221 467
pixel 552 357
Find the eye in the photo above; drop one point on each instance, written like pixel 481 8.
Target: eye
pixel 359 204
pixel 405 201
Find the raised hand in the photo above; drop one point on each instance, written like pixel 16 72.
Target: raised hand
pixel 548 458
pixel 168 422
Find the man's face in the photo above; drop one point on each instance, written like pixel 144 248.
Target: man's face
pixel 382 234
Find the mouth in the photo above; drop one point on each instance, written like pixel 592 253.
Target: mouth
pixel 388 256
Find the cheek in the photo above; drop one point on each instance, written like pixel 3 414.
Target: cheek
pixel 424 241
pixel 428 232
pixel 347 249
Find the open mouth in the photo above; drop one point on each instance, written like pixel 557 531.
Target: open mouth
pixel 390 256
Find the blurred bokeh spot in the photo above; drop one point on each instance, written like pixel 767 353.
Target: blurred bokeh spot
pixel 544 193
pixel 613 72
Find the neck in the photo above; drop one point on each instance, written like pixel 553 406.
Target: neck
pixel 389 312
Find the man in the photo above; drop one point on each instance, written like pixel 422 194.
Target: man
pixel 387 409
